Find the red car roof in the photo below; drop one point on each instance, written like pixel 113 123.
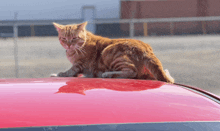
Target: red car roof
pixel 74 101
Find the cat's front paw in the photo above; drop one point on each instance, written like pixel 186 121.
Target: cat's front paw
pixel 113 74
pixel 107 75
pixel 68 73
pixel 62 74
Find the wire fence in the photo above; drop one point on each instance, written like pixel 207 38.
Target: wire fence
pixel 111 28
pixel 203 24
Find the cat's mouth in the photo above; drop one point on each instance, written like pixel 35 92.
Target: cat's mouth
pixel 76 49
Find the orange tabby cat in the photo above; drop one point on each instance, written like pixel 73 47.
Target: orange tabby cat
pixel 97 56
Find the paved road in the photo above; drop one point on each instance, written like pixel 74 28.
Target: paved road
pixel 191 60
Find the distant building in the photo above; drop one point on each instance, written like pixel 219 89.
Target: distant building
pixel 113 9
pixel 171 8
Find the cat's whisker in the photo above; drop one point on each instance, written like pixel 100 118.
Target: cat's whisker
pixel 76 48
pixel 81 51
pixel 76 52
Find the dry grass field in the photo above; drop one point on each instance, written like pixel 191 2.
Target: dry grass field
pixel 191 60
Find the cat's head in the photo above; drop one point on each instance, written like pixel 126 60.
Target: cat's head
pixel 71 36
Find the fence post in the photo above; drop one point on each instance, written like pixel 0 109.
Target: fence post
pixel 203 27
pixel 89 14
pixel 15 31
pixel 171 28
pixel 145 29
pixel 131 28
pixel 32 30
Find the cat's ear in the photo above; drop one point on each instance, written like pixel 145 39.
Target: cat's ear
pixel 58 26
pixel 82 26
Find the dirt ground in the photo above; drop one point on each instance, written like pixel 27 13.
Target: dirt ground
pixel 191 60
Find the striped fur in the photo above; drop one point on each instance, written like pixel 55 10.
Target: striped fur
pixel 97 56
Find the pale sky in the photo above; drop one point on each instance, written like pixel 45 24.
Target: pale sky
pixel 56 9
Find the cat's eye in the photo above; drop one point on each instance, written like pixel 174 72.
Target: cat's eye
pixel 75 38
pixel 64 39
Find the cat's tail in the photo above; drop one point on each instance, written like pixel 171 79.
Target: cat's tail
pixel 53 75
pixel 155 69
pixel 169 76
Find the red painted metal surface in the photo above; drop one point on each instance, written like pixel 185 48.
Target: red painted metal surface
pixel 73 101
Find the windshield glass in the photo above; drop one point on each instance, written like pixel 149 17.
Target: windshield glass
pixel 166 126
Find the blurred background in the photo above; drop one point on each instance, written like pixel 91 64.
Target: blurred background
pixel 183 33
